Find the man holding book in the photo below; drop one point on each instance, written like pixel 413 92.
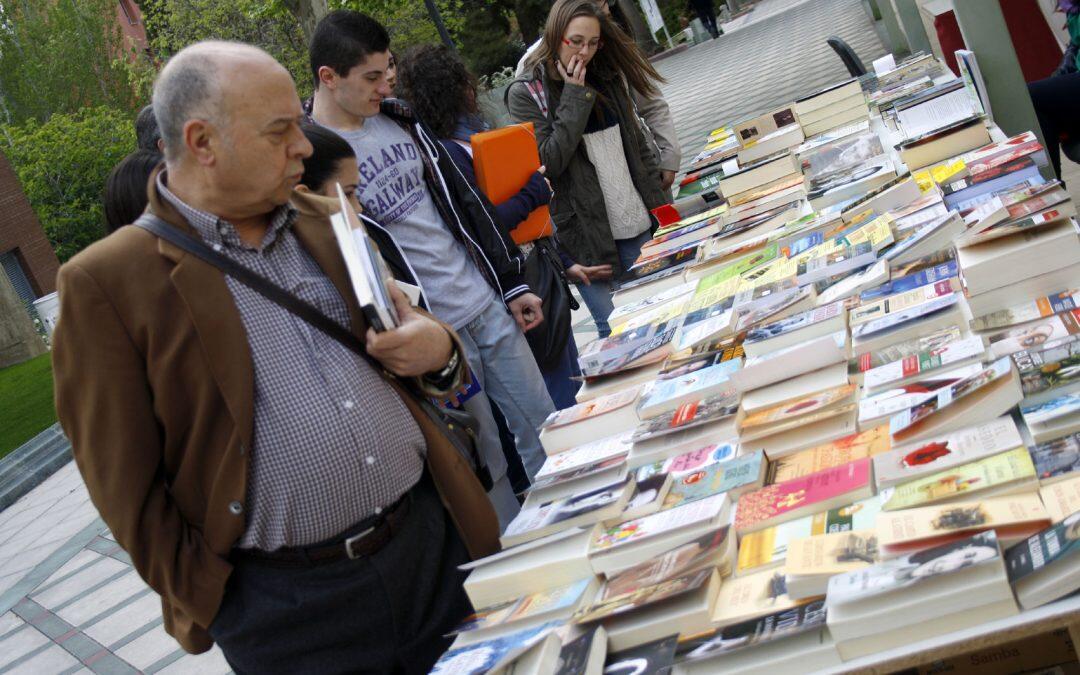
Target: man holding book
pixel 471 272
pixel 267 481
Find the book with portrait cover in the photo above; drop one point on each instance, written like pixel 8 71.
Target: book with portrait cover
pixel 1012 518
pixel 819 491
pixel 587 508
pixel 1006 473
pixel 895 574
pixel 768 548
pixel 1035 334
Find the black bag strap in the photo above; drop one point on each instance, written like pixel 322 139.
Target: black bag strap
pixel 257 283
pixel 316 318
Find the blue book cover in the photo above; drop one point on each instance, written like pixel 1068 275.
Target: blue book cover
pixel 924 277
pixel 691 383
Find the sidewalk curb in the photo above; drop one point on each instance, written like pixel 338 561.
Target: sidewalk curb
pixel 29 465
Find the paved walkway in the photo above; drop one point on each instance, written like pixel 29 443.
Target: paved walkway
pixel 70 602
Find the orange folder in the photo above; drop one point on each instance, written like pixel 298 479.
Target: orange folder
pixel 504 160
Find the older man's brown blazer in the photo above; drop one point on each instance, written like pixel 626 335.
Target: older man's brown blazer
pixel 154 388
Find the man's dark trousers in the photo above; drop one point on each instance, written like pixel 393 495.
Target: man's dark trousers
pixel 386 613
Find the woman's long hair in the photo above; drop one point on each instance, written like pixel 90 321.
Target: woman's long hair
pixel 618 55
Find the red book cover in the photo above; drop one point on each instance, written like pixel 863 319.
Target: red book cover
pixel 758 507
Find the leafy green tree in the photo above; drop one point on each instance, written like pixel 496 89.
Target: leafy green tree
pixel 172 25
pixel 63 163
pixel 407 20
pixel 61 56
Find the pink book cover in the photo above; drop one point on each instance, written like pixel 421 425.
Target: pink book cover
pixel 780 498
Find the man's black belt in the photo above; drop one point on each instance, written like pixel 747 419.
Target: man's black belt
pixel 365 538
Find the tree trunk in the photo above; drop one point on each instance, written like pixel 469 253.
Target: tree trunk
pixel 642 35
pixel 308 13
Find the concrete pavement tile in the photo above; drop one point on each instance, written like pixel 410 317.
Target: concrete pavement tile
pixel 104 598
pixel 65 590
pixel 9 622
pixel 81 559
pixel 211 663
pixel 20 643
pixel 52 660
pixel 126 620
pixel 148 649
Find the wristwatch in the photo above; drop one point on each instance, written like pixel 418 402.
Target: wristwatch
pixel 444 378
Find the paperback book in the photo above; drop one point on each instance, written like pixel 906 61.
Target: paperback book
pixel 1005 473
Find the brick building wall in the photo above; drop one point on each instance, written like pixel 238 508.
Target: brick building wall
pixel 21 233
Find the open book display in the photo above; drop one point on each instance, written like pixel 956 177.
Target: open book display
pixel 368 273
pixel 843 434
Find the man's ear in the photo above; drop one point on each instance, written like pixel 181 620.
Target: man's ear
pixel 198 136
pixel 328 77
pixel 300 187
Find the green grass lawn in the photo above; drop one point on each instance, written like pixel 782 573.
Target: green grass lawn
pixel 26 402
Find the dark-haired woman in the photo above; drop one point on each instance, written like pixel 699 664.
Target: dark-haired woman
pixel 605 175
pixel 443 92
pixel 125 188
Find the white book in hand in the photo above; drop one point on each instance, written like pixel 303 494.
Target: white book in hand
pixel 367 270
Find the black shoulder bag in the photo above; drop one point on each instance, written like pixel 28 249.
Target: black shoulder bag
pixel 456 425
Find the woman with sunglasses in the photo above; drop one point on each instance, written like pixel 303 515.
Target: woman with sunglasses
pixel 577 94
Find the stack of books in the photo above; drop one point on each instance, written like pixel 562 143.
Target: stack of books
pixel 846 422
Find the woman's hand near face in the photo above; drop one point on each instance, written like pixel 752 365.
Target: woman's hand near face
pixel 573 72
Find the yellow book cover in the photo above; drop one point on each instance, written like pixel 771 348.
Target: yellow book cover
pixel 960 482
pixel 878 232
pixel 1062 499
pixel 869 443
pixel 752 596
pixel 833 553
pixel 931 525
pixel 658 315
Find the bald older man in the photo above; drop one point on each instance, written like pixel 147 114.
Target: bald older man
pixel 267 482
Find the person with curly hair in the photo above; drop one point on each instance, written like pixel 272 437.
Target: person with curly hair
pixel 442 91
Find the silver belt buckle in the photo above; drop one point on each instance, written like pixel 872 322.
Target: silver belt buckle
pixel 353 540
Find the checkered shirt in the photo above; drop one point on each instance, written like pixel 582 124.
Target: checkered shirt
pixel 333 442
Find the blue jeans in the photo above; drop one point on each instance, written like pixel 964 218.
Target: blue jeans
pixel 597 295
pixel 563 390
pixel 505 367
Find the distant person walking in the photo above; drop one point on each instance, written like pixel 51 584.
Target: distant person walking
pixel 604 174
pixel 707 13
